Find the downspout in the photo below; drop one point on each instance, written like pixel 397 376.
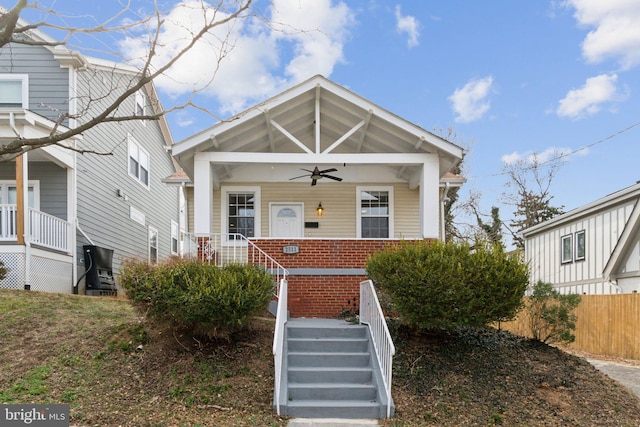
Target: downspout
pixel 442 202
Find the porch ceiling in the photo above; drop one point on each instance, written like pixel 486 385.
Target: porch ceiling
pixel 317 117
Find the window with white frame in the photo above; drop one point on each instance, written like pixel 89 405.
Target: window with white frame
pixel 241 211
pixel 8 193
pixel 375 212
pixel 138 162
pixel 175 237
pixel 580 245
pixel 14 91
pixel 566 248
pixel 153 245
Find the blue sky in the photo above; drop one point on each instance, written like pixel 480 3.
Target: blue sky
pixel 509 78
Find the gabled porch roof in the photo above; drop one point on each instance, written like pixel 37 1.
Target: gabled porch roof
pixel 317 122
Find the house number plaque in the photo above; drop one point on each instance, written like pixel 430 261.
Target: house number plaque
pixel 291 249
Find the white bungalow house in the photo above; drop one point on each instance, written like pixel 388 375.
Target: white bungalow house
pixel 594 249
pixel 317 177
pixel 53 201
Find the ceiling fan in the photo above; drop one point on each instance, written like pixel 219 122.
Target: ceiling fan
pixel 317 174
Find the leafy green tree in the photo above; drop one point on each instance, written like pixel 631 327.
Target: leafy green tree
pixel 551 314
pixel 433 284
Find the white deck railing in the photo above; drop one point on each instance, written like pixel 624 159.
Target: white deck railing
pixel 278 342
pixel 44 230
pixel 49 231
pixel 226 248
pixel 371 315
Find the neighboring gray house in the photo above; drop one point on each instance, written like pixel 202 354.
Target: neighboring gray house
pixel 115 201
pixel 594 249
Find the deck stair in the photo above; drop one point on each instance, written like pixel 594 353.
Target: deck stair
pixel 330 371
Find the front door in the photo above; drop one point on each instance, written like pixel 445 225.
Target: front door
pixel 286 219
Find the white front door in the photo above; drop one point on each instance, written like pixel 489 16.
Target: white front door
pixel 286 219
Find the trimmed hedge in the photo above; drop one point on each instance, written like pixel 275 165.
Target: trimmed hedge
pixel 196 297
pixel 433 284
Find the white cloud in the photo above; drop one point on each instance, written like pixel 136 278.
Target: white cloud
pixel 247 60
pixel 587 100
pixel 616 32
pixel 408 24
pixel 470 102
pixel 530 157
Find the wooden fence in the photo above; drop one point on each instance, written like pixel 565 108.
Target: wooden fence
pixel 607 325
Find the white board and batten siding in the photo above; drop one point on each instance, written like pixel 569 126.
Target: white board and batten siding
pixel 602 224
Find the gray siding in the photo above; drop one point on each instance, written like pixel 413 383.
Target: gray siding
pixel 48 83
pixel 104 215
pixel 52 181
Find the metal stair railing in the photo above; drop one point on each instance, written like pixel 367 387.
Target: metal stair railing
pixel 278 342
pixel 371 315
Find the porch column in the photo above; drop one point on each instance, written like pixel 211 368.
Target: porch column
pixel 202 195
pixel 429 198
pixel 22 212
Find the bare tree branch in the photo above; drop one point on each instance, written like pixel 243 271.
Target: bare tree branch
pixel 12 31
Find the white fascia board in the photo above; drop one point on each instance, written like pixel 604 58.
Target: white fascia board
pixel 588 209
pixel 319 159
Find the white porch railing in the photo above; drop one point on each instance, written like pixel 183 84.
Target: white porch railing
pixel 226 248
pixel 371 315
pixel 278 342
pixel 44 230
pixel 8 223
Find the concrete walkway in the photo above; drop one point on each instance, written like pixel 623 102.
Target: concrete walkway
pixel 627 375
pixel 330 422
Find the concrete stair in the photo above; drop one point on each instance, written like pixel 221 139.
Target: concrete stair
pixel 330 371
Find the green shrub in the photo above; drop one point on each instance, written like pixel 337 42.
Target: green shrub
pixel 551 316
pixel 196 297
pixel 433 284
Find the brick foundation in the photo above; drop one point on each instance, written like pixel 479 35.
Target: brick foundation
pixel 317 287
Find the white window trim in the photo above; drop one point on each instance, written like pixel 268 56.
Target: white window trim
pixel 224 209
pixel 25 86
pixel 4 184
pixel 359 190
pixel 157 247
pixel 132 141
pixel 174 227
pixel 564 260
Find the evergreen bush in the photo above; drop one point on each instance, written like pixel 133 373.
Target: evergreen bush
pixel 198 298
pixel 551 314
pixel 433 284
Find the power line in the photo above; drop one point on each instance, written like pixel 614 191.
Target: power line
pixel 563 155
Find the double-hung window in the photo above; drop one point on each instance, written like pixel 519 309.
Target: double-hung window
pixel 138 162
pixel 580 245
pixel 375 212
pixel 241 212
pixel 175 237
pixel 14 91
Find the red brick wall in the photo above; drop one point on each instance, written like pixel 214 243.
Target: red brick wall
pixel 322 296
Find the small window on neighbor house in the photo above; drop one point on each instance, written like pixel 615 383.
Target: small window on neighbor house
pixel 567 248
pixel 580 245
pixel 175 237
pixel 138 162
pixel 153 246
pixel 14 91
pixel 141 103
